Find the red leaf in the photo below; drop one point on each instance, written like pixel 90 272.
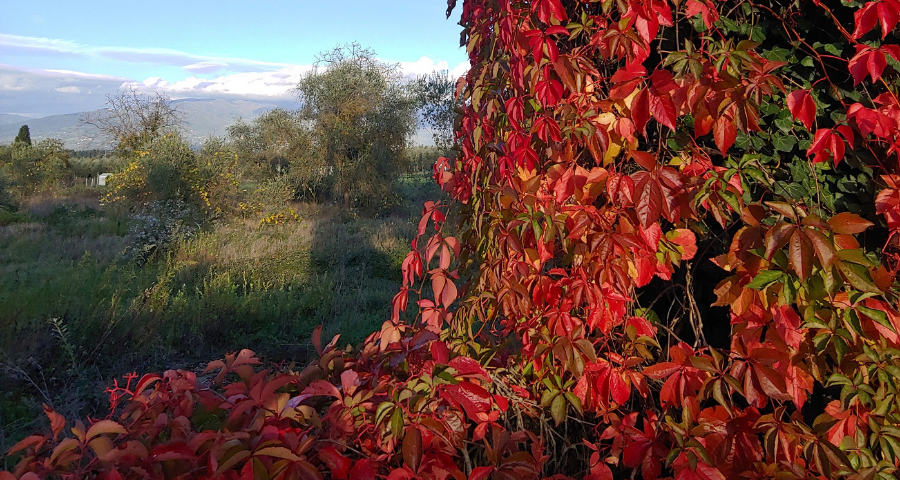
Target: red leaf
pixel 480 473
pixel 619 391
pixel 661 370
pixel 640 110
pixel 709 13
pixel 551 8
pixel 644 159
pixel 857 65
pixel 57 421
pixel 317 339
pixel 467 366
pixel 865 19
pixel 412 448
pixel 686 239
pixel 876 64
pixel 322 388
pixel 337 463
pixel 802 107
pixel 565 186
pixel 787 323
pixel 800 254
pixel 724 133
pixel 363 470
pixel 440 352
pixel 472 398
pixel 663 110
pixel 649 202
pixel 887 16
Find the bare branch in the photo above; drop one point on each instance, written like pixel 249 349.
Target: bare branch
pixel 132 118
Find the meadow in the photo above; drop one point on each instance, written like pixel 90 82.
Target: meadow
pixel 76 311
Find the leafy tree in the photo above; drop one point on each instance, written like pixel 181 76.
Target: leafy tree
pixel 361 115
pixel 438 104
pixel 32 168
pixel 273 144
pixel 24 136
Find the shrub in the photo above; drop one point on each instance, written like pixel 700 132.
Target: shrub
pixel 170 171
pixel 676 258
pixel 29 169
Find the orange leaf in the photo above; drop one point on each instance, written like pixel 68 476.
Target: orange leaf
pixel 849 223
pixel 104 427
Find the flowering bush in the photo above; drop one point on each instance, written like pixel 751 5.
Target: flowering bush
pixel 676 258
pixel 169 170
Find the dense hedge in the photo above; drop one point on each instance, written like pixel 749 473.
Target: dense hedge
pixel 676 257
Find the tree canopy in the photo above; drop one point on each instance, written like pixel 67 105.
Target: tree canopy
pixel 24 136
pixel 361 114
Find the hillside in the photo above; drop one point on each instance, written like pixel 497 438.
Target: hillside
pixel 203 118
pixel 8 118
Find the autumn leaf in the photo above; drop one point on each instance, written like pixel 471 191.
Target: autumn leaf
pixel 802 107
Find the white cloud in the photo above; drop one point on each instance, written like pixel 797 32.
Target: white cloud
pixel 71 73
pixel 274 84
pixel 45 92
pixel 425 65
pixel 277 84
pixel 24 45
pixel 205 67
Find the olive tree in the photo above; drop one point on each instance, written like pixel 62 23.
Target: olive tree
pixel 271 145
pixel 438 102
pixel 361 114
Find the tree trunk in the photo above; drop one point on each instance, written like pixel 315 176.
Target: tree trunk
pixel 347 199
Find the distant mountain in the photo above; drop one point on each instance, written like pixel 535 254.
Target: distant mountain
pixel 203 118
pixel 63 127
pixel 7 118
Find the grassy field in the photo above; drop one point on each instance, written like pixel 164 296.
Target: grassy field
pixel 75 312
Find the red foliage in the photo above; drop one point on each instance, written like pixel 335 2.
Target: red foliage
pixel 586 183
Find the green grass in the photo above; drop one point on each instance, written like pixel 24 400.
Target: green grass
pixel 231 286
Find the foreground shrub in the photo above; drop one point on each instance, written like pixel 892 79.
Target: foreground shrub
pixel 676 258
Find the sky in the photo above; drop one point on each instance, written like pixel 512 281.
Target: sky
pixel 65 56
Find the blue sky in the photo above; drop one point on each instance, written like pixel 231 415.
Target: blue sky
pixel 64 55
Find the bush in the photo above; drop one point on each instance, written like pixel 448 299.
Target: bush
pixel 170 171
pixel 677 258
pixel 29 169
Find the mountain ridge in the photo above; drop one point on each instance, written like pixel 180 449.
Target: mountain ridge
pixel 202 118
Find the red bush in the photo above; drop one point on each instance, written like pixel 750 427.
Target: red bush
pixel 676 258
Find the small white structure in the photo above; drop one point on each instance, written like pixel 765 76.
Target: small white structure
pixel 101 179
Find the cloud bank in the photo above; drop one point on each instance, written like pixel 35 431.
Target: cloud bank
pixel 32 46
pixel 37 92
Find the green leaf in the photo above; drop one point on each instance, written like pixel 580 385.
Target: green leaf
pixel 877 315
pixel 784 121
pixel 558 409
pixel 784 143
pixel 397 423
pixel 852 321
pixel 833 48
pixel 765 278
